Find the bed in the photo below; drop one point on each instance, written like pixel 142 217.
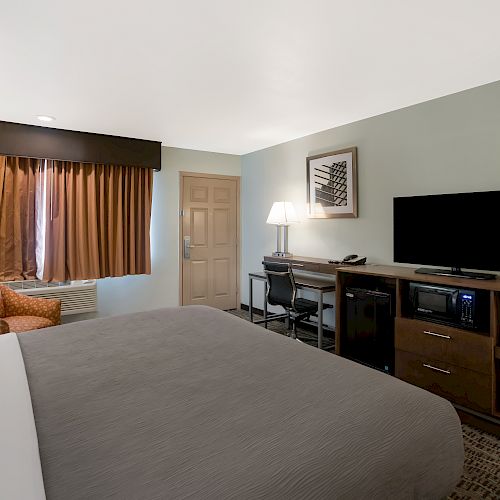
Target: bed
pixel 193 402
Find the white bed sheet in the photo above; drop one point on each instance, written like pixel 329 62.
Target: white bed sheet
pixel 20 469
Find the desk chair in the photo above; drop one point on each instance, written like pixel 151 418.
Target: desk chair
pixel 282 291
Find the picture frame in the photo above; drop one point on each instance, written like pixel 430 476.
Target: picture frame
pixel 332 184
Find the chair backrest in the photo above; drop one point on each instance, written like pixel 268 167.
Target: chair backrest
pixel 281 289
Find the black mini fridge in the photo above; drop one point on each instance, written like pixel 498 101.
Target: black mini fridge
pixel 369 328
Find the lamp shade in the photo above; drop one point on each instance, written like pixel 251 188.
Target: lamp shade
pixel 282 213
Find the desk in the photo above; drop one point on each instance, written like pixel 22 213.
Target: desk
pixel 320 285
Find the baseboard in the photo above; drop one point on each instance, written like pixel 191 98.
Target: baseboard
pixel 310 326
pixel 484 422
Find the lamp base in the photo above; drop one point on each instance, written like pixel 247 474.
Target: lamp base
pixel 282 254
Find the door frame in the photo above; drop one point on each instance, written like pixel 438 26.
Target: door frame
pixel 237 178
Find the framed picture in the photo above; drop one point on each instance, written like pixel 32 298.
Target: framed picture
pixel 332 184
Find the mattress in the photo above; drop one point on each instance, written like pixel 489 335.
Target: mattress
pixel 194 403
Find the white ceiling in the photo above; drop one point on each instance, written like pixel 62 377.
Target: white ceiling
pixel 236 75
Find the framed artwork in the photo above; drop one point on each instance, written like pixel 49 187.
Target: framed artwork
pixel 332 184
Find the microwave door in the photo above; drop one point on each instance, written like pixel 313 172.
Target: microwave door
pixel 437 302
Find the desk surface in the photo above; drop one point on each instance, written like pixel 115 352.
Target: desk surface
pixel 323 284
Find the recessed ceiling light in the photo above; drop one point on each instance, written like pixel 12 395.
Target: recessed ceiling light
pixel 45 118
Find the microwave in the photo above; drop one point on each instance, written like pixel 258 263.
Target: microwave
pixel 449 305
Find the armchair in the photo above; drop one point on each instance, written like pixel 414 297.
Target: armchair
pixel 21 313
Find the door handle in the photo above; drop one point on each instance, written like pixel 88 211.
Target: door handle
pixel 187 247
pixel 428 332
pixel 436 369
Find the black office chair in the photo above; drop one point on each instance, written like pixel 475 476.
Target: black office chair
pixel 282 291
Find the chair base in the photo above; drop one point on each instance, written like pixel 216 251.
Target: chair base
pixel 288 316
pixel 270 317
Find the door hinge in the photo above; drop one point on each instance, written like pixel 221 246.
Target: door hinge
pixel 182 213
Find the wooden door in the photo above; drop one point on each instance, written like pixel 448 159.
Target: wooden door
pixel 209 241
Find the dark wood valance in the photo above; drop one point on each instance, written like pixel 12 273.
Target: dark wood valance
pixel 32 141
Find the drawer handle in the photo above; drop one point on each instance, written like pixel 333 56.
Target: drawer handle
pixel 298 265
pixel 435 368
pixel 427 332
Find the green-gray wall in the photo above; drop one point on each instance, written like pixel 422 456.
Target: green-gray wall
pixel 446 145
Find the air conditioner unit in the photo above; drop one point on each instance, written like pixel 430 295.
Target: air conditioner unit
pixel 76 296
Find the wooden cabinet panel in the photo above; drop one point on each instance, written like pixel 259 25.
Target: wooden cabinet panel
pixel 445 343
pixel 328 268
pixel 465 387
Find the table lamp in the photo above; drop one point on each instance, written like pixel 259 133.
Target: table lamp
pixel 282 214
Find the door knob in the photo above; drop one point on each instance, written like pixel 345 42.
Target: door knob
pixel 187 247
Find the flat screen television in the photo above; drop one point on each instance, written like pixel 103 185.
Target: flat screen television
pixel 451 230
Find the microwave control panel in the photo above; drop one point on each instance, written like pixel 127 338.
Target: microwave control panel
pixel 466 298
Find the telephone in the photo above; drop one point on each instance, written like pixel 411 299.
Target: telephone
pixel 351 259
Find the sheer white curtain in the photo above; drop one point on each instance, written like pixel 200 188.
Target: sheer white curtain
pixel 41 217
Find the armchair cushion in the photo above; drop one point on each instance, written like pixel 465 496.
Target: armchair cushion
pixel 20 324
pixel 16 304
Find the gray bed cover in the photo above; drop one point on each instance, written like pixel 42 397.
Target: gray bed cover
pixel 195 403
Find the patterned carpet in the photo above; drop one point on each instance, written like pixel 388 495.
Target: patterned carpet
pixel 481 477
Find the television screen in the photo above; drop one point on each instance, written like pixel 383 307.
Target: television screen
pixel 448 230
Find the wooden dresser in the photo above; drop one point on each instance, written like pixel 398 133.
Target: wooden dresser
pixel 458 364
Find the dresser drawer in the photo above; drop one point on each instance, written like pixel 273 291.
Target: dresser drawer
pixel 328 268
pixel 459 385
pixel 297 264
pixel 450 345
pixel 312 267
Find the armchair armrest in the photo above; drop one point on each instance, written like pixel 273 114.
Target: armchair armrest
pixel 44 308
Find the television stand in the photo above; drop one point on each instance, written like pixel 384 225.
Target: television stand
pixel 455 272
pixel 459 364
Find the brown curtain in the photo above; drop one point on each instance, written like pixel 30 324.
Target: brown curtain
pixel 18 180
pixel 97 220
